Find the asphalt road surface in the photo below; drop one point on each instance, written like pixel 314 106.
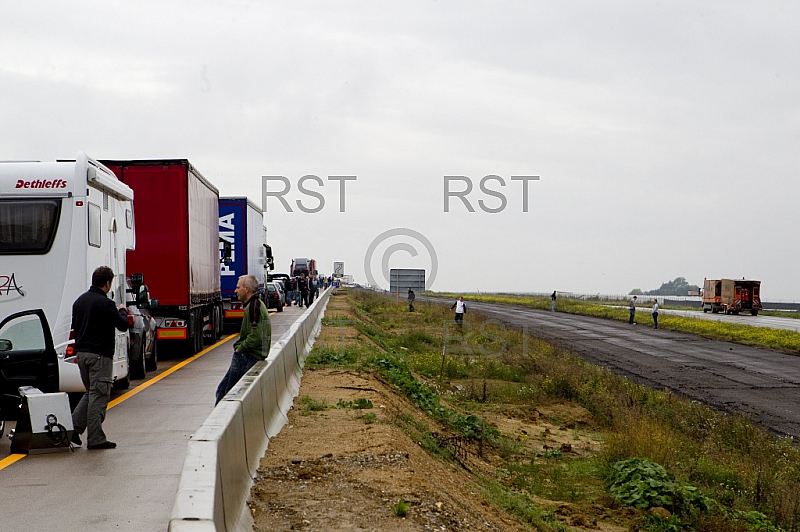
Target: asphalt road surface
pixel 772 322
pixel 759 383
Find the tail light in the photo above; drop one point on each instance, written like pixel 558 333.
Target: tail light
pixel 70 352
pixel 130 319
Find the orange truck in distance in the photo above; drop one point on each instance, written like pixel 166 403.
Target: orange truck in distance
pixel 731 296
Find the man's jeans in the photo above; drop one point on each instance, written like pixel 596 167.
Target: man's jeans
pixel 240 364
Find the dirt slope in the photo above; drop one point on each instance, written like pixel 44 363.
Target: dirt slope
pixel 329 470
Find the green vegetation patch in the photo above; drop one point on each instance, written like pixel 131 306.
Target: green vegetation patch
pixel 710 470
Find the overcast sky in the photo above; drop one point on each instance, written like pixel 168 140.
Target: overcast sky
pixel 665 135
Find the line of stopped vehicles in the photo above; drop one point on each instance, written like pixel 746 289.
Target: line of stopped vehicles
pixel 176 247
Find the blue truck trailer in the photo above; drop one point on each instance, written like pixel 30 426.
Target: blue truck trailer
pixel 241 223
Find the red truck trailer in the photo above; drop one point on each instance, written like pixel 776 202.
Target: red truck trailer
pixel 177 248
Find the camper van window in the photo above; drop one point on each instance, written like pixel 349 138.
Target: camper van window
pixel 28 226
pixel 94 225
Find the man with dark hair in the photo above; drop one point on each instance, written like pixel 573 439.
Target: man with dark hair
pixel 255 337
pixel 94 318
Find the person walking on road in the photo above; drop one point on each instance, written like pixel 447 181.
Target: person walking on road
pixel 312 283
pixel 553 304
pixel 461 309
pixel 290 286
pixel 298 301
pixel 255 336
pixel 632 306
pixel 302 285
pixel 655 313
pixel 94 318
pixel 411 298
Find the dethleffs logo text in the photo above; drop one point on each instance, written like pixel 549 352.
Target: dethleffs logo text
pixel 41 183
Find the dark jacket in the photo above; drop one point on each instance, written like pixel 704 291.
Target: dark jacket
pixel 94 318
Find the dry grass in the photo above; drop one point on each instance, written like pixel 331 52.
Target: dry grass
pixel 491 371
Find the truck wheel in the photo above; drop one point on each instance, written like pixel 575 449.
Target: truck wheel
pixel 151 364
pixel 218 322
pixel 280 307
pixel 198 331
pixel 138 369
pixel 754 312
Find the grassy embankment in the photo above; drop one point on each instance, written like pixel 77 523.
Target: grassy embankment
pixel 780 339
pixel 711 471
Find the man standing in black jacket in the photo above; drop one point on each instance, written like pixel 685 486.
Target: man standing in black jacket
pixel 94 318
pixel 302 285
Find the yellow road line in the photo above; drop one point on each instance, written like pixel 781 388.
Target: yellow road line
pixel 10 459
pixel 13 458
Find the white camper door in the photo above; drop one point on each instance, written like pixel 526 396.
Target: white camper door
pixel 117 263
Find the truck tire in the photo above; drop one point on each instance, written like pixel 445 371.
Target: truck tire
pixel 280 307
pixel 151 364
pixel 217 324
pixel 754 312
pixel 138 368
pixel 198 331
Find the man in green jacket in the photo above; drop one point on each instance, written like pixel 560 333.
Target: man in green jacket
pixel 255 336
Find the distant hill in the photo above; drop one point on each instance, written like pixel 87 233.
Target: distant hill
pixel 677 287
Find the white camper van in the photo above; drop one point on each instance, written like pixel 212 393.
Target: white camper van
pixel 58 222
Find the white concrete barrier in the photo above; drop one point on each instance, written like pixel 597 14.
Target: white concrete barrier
pixel 222 456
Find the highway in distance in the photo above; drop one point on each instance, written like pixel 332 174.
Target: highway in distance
pixel 760 383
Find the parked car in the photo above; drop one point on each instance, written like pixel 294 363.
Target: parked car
pixel 142 350
pixel 275 296
pixel 282 279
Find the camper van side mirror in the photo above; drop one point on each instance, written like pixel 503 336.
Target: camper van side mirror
pixel 143 297
pixel 226 252
pixel 6 345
